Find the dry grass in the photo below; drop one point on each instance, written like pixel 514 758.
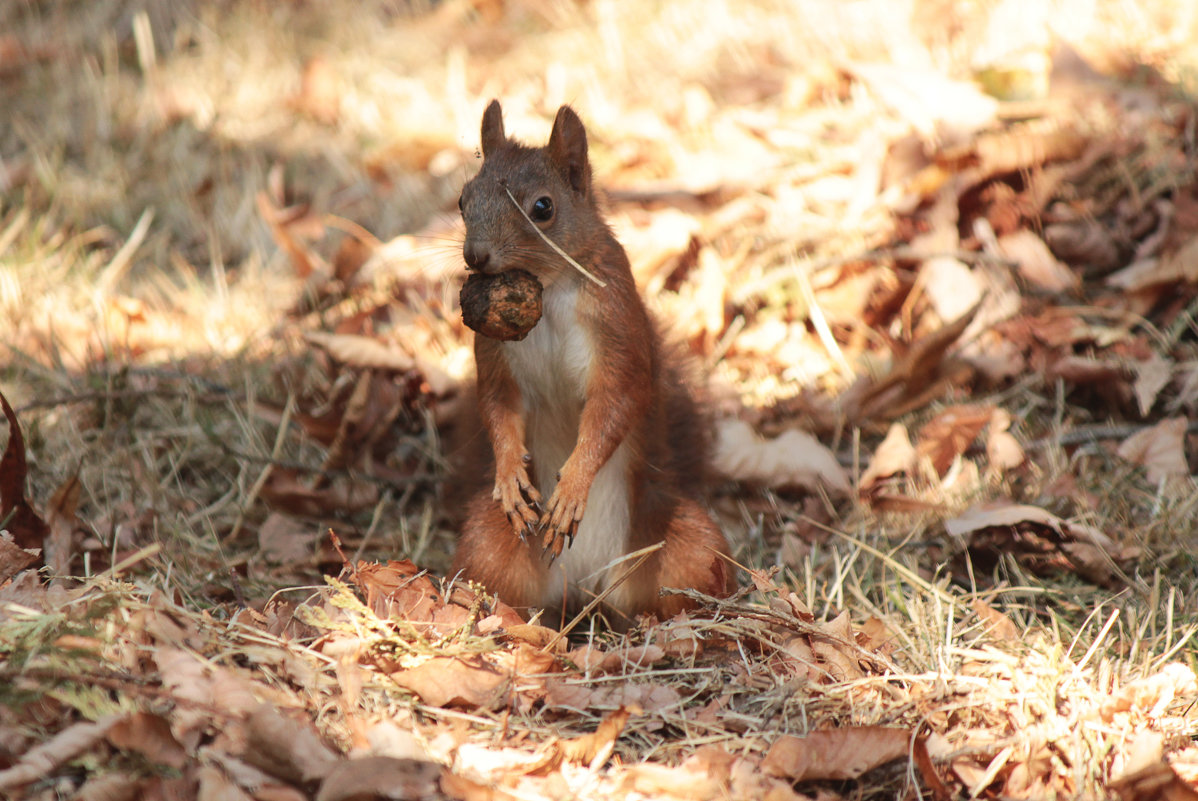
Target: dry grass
pixel 153 339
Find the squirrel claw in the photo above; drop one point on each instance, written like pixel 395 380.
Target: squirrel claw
pixel 552 545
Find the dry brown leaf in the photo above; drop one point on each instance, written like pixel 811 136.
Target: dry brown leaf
pixel 469 682
pixel 792 459
pixel 706 774
pixel 62 524
pixel 538 636
pixel 1085 370
pixel 1152 695
pixel 981 517
pixel 594 749
pixel 1084 242
pixel 285 489
pixel 319 96
pixel 361 351
pixel 875 636
pixel 797 657
pixel 894 455
pixel 380 777
pixel 837 754
pixel 1152 375
pixel 284 540
pixel 1003 451
pixel 290 227
pixel 44 759
pixel 1147 776
pixel 27 528
pixel 202 689
pixel 934 104
pixel 1042 541
pixel 14 559
pixel 996 625
pixel 1180 266
pixel 951 286
pixel 287 746
pixel 463 789
pixel 836 652
pixel 653 780
pixel 149 735
pixel 1160 449
pixel 110 786
pixel 1035 262
pixel 950 433
pixel 211 782
pixel 913 373
pixel 631 657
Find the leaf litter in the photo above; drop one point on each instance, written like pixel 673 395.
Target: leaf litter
pixel 234 404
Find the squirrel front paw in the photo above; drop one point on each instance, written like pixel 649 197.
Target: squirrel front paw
pixel 563 513
pixel 519 499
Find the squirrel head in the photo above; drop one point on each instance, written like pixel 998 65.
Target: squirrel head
pixel 552 187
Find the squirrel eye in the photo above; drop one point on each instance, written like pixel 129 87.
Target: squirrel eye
pixel 542 210
pixel 461 204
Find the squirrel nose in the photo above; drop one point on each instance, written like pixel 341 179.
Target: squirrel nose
pixel 476 256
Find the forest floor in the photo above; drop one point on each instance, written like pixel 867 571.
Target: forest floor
pixel 938 263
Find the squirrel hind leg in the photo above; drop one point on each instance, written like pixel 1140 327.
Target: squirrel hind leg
pixel 693 558
pixel 490 553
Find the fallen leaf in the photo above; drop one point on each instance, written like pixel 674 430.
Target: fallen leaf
pixel 469 682
pixel 284 540
pixel 792 459
pixel 285 490
pixel 13 558
pixel 594 749
pixel 894 455
pixel 835 650
pixel 1152 375
pixel 62 524
pixel 1148 776
pixel 149 735
pixel 1180 266
pixel 836 754
pixel 996 625
pixel 463 789
pixel 947 435
pixel 380 777
pixel 703 775
pixel 113 785
pixel 1152 695
pixel 287 746
pixel 290 227
pixel 362 351
pixel 319 96
pixel 1003 451
pixel 43 760
pixel 27 528
pixel 914 376
pixel 1036 263
pixel 1160 449
pixel 934 104
pixel 1040 540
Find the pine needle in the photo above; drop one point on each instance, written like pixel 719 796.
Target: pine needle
pixel 553 244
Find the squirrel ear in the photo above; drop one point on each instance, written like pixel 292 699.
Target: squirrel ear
pixel 568 149
pixel 492 134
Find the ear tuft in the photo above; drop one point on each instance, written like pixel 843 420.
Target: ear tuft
pixel 568 149
pixel 493 136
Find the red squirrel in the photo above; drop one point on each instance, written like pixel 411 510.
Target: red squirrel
pixel 598 446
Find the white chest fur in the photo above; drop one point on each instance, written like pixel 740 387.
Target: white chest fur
pixel 552 366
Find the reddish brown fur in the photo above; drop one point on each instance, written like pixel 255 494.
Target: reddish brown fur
pixel 633 400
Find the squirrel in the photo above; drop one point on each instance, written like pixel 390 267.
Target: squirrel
pixel 598 447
